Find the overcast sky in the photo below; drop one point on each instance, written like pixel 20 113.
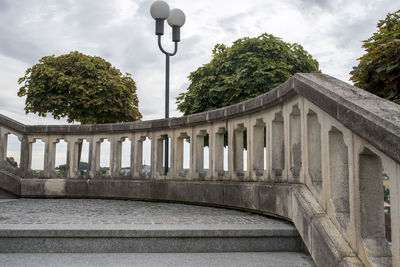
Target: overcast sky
pixel 122 32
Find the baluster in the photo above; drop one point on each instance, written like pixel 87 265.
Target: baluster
pixel 25 155
pixel 115 156
pixel 238 147
pixel 256 147
pixel 75 159
pixel 133 156
pixel 199 152
pixel 70 158
pixel 92 158
pixel 2 145
pixel 51 157
pixel 138 158
pixel 159 164
pixel 217 144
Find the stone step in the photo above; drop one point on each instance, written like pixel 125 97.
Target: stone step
pixel 266 259
pixel 148 238
pixel 118 226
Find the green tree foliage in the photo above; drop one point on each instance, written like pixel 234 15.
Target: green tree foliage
pixel 81 88
pixel 379 69
pixel 11 161
pixel 250 67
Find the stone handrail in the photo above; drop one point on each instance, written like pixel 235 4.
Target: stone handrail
pixel 326 144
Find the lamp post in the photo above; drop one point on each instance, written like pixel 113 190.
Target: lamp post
pixel 160 11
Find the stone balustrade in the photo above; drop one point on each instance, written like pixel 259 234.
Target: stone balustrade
pixel 316 152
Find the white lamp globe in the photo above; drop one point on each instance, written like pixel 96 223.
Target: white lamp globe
pixel 159 10
pixel 176 18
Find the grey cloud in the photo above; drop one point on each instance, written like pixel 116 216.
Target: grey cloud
pixel 12 104
pixel 307 5
pixel 229 23
pixel 144 8
pixel 4 5
pixel 15 46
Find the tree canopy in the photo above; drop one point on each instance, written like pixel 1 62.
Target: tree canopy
pixel 250 67
pixel 379 69
pixel 81 88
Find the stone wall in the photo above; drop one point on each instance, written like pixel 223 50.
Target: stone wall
pixel 326 143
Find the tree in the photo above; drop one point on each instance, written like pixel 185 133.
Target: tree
pixel 81 88
pixel 379 69
pixel 11 161
pixel 250 67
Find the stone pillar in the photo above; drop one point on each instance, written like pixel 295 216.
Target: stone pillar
pixel 96 156
pixel 133 155
pixel 230 130
pixel 314 150
pixel 257 148
pixel 50 159
pixel 115 156
pixel 199 151
pixel 178 154
pixel 92 158
pixel 294 149
pixel 159 155
pixel 268 146
pixel 153 154
pixel 192 173
pixel 30 153
pixel 3 147
pixel 71 170
pixel 75 154
pixel 138 158
pixel 171 172
pixel 277 147
pixel 25 155
pixel 46 171
pixel 249 157
pixel 238 148
pixel 217 152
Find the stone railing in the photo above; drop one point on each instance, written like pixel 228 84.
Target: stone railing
pixel 327 144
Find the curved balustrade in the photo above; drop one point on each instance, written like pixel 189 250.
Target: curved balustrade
pixel 316 150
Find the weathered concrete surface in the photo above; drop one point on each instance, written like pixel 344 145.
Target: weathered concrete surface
pixel 10 182
pixel 6 195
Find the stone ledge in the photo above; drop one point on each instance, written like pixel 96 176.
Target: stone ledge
pixel 10 183
pixel 325 243
pixel 375 119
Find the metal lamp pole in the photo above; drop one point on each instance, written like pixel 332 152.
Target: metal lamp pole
pixel 160 11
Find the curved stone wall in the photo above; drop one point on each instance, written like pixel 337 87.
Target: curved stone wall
pixel 325 145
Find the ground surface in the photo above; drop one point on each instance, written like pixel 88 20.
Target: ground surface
pixel 92 211
pixel 60 213
pixel 269 259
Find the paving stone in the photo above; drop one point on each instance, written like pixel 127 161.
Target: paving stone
pixel 94 211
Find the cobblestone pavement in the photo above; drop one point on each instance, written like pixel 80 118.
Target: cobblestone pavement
pixel 95 211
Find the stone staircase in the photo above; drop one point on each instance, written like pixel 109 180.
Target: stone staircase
pixel 93 227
